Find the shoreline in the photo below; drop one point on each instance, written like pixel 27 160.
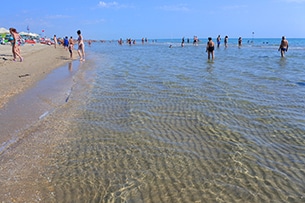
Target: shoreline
pixel 23 92
pixel 39 61
pixel 25 140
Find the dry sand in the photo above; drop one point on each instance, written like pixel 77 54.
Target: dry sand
pixel 39 60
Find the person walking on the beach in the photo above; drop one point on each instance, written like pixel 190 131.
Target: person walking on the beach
pixel 55 41
pixel 81 46
pixel 284 46
pixel 210 48
pixel 66 43
pixel 218 41
pixel 16 44
pixel 226 41
pixel 71 46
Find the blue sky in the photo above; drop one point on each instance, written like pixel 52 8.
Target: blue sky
pixel 157 19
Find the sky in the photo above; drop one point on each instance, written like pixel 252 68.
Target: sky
pixel 158 19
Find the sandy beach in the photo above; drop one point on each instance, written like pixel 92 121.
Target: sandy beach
pixel 39 60
pixel 16 78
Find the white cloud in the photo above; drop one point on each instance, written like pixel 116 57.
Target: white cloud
pixel 179 7
pixel 114 4
pixel 94 22
pixel 59 16
pixel 234 7
pixel 295 1
pixel 108 5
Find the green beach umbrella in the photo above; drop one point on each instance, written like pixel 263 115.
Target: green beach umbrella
pixel 3 32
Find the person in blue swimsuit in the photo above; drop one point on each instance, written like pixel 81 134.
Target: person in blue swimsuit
pixel 284 46
pixel 218 41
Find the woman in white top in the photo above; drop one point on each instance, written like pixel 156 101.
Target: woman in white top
pixel 81 46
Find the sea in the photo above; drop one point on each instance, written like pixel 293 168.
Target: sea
pixel 157 122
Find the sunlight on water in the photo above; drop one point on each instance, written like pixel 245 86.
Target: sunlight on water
pixel 154 124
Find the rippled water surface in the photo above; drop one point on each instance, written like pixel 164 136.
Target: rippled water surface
pixel 149 123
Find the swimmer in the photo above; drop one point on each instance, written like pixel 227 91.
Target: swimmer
pixel 226 41
pixel 240 41
pixel 284 46
pixel 210 48
pixel 218 41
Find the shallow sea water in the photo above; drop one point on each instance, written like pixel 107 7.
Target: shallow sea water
pixel 149 123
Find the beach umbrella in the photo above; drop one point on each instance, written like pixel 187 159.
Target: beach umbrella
pixel 33 34
pixel 4 31
pixel 29 34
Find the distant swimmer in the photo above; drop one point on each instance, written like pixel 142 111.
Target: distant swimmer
pixel 218 41
pixel 182 42
pixel 240 40
pixel 195 42
pixel 226 41
pixel 210 48
pixel 284 46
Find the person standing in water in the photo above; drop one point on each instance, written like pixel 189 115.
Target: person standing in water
pixel 284 46
pixel 226 41
pixel 182 42
pixel 210 48
pixel 218 41
pixel 81 46
pixel 71 45
pixel 240 41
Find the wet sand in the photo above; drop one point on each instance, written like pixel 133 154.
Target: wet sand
pixel 21 165
pixel 39 60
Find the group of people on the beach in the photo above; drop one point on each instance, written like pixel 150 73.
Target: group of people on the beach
pixel 69 45
pixel 210 45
